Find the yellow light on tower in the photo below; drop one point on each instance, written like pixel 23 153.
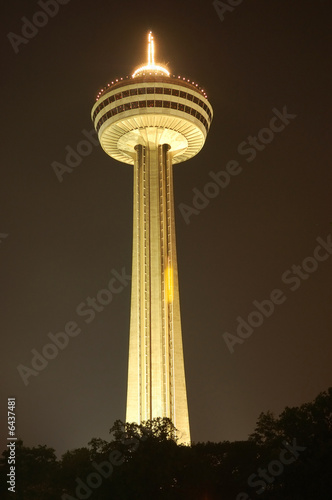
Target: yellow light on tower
pixel 169 284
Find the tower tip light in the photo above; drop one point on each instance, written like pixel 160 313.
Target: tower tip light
pixel 151 65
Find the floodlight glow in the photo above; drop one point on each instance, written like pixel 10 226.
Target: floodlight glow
pixel 169 283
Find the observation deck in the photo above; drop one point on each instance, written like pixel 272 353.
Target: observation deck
pixel 152 108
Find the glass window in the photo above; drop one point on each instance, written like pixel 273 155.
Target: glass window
pixel 141 91
pixel 150 90
pixel 181 107
pixel 120 108
pixel 183 94
pixel 174 105
pixel 118 96
pixel 193 111
pixel 159 90
pixel 175 92
pixel 167 91
pixel 127 106
pixel 150 104
pixel 196 100
pixel 134 105
pixel 190 97
pixel 159 104
pixel 112 99
pixel 125 93
pixel 133 91
pixel 187 109
pixel 142 104
pixel 166 104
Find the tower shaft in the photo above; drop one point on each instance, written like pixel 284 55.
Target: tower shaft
pixel 156 377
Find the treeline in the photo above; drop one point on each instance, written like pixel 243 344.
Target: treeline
pixel 287 457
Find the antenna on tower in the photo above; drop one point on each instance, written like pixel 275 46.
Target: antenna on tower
pixel 150 49
pixel 151 66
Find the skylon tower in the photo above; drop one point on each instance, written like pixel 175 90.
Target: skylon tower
pixel 153 120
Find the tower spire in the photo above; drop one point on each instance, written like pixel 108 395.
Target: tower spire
pixel 151 67
pixel 150 50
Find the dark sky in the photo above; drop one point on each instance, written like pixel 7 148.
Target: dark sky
pixel 60 241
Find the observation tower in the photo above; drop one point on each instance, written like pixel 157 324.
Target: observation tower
pixel 153 120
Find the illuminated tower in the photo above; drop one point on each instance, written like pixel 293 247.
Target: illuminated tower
pixel 152 120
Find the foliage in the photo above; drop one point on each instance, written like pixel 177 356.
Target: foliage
pixel 144 461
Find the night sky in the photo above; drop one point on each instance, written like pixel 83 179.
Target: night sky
pixel 61 242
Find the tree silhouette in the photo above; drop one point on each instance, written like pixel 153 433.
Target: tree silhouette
pixel 144 461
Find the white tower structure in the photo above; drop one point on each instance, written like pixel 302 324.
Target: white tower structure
pixel 153 120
